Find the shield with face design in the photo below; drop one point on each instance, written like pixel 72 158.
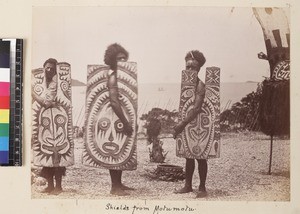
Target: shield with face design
pixel 201 137
pixel 105 143
pixel 52 141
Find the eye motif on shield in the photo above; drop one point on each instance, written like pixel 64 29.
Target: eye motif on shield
pixel 109 132
pixel 201 137
pixel 52 132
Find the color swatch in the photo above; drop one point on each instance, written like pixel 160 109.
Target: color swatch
pixel 11 85
pixel 4 100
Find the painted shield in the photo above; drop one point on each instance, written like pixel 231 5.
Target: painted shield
pixel 201 137
pixel 105 144
pixel 275 25
pixel 282 70
pixel 52 141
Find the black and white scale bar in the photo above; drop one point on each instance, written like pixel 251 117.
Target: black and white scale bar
pixel 16 104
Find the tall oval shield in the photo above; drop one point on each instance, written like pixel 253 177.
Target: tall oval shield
pixel 105 144
pixel 201 137
pixel 52 135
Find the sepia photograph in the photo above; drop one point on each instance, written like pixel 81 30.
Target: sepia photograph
pixel 160 103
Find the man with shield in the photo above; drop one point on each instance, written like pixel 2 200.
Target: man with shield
pixel 197 133
pixel 52 124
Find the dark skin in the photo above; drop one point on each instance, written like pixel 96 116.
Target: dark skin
pixel 50 71
pixel 114 94
pixel 191 64
pixel 42 102
pixel 112 85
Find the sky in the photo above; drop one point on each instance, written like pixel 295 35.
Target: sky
pixel 157 38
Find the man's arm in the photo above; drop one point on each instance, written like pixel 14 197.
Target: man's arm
pixel 43 102
pixel 199 99
pixel 48 98
pixel 115 103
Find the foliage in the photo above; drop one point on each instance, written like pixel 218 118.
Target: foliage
pixel 267 110
pixel 153 129
pixel 158 121
pixel 275 107
pixel 167 119
pixel 244 114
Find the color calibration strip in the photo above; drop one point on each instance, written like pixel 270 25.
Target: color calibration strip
pixel 4 100
pixel 11 85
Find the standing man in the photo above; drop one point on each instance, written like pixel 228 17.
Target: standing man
pixel 111 114
pixel 52 125
pixel 116 53
pixel 194 61
pixel 198 132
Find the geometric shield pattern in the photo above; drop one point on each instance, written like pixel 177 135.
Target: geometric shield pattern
pixel 52 140
pixel 281 70
pixel 201 137
pixel 275 25
pixel 105 145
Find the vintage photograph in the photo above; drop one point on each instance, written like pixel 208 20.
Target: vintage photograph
pixel 161 103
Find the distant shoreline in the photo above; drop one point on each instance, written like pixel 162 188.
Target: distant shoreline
pixel 77 83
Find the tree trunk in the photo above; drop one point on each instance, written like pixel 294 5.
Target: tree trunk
pixel 157 152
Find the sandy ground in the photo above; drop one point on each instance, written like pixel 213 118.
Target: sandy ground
pixel 240 174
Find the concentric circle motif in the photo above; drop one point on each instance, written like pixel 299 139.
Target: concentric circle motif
pixel 64 86
pixel 196 150
pixel 45 122
pixel 52 141
pixel 105 143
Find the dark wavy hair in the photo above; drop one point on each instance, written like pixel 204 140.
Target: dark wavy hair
pixel 51 61
pixel 50 75
pixel 111 53
pixel 197 55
